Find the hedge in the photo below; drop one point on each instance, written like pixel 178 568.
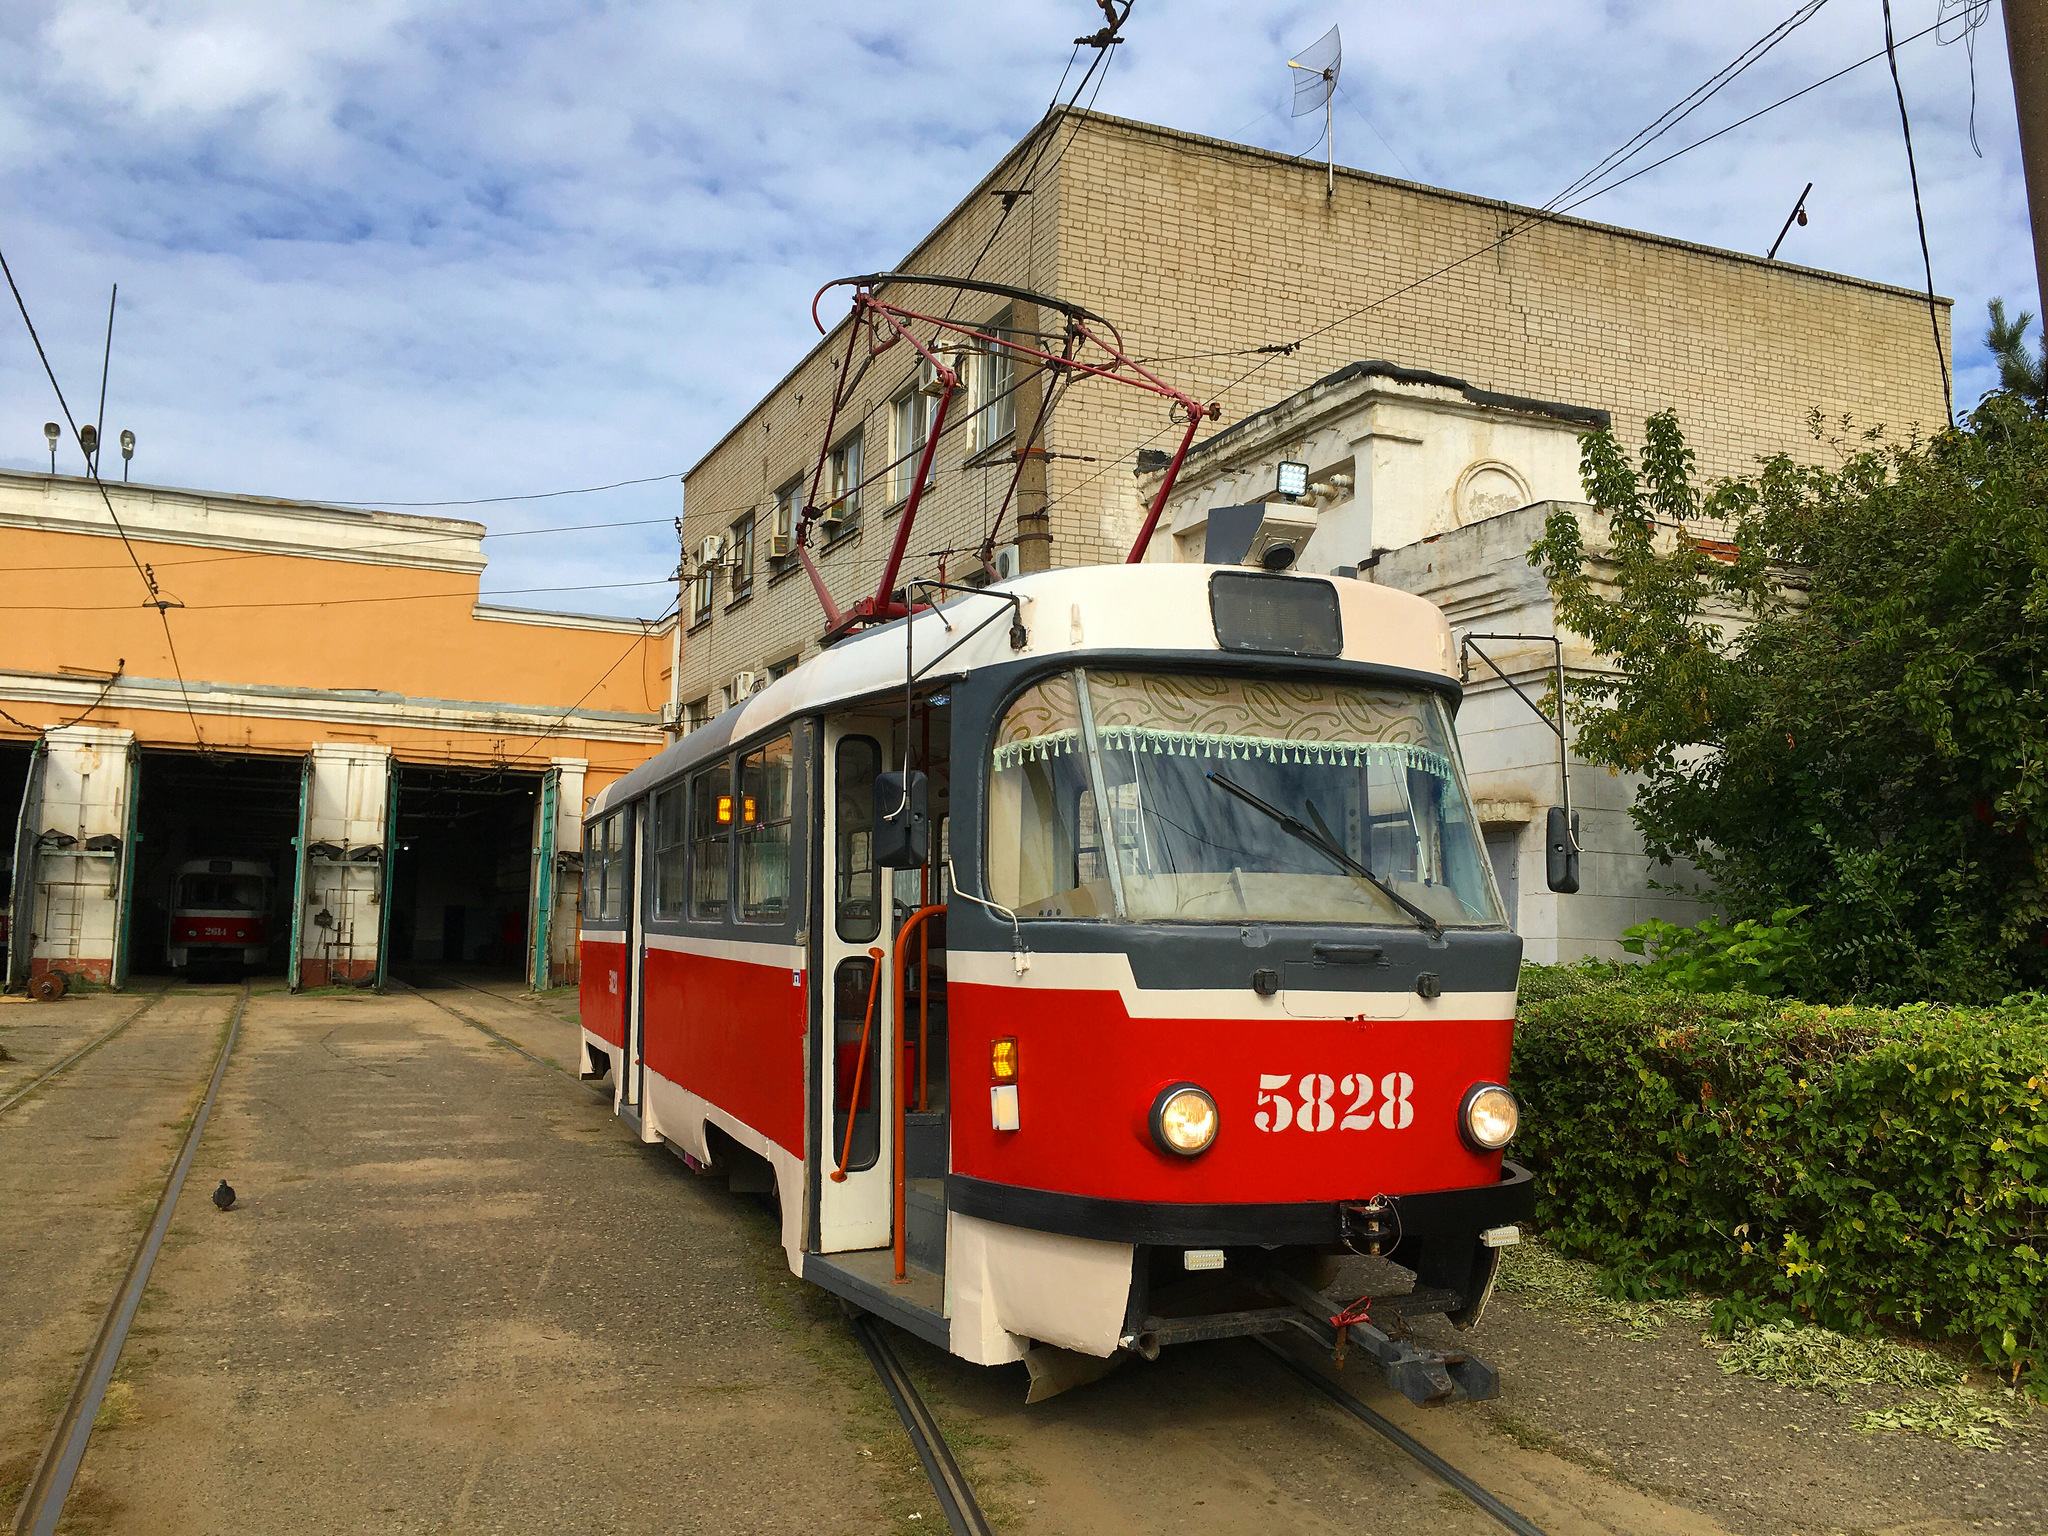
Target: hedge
pixel 1862 1167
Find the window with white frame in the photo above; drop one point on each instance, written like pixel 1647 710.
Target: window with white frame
pixel 787 501
pixel 846 477
pixel 700 598
pixel 993 396
pixel 910 424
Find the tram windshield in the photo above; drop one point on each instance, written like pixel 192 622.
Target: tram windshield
pixel 1371 770
pixel 221 893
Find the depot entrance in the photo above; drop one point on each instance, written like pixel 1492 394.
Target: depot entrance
pixel 464 869
pixel 213 835
pixel 14 760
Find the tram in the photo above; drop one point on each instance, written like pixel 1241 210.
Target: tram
pixel 1073 947
pixel 220 915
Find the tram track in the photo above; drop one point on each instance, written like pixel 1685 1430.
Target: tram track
pixel 500 1036
pixel 955 1494
pixel 49 1485
pixel 950 1486
pixel 963 1511
pixel 81 1053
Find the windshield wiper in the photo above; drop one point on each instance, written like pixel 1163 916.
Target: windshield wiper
pixel 1301 831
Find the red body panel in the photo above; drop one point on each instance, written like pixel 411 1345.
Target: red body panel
pixel 1088 1074
pixel 601 993
pixel 733 1033
pixel 239 932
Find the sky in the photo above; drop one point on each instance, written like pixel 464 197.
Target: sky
pixel 387 251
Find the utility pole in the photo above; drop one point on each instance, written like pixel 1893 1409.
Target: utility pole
pixel 2026 48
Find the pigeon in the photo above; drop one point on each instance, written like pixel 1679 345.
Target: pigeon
pixel 224 1197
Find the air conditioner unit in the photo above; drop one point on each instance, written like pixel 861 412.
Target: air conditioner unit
pixel 1006 562
pixel 780 546
pixel 833 515
pixel 711 551
pixel 746 684
pixel 672 717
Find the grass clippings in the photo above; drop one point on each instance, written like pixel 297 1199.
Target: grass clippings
pixel 1536 1274
pixel 1939 1401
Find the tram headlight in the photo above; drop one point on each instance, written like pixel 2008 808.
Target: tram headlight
pixel 1489 1116
pixel 1184 1120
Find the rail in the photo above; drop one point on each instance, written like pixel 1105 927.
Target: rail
pixel 917 920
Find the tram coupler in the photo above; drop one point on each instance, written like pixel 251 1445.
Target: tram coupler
pixel 1420 1374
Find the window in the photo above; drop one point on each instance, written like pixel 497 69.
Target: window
pixel 910 423
pixel 993 392
pixel 845 487
pixel 741 549
pixel 763 832
pixel 700 599
pixel 710 837
pixel 1127 796
pixel 696 713
pixel 857 890
pixel 782 668
pixel 604 870
pixel 670 880
pixel 787 500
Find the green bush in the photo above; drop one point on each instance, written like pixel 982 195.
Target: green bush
pixel 1860 1167
pixel 1769 959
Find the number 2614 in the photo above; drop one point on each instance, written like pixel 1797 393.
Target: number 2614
pixel 1318 1102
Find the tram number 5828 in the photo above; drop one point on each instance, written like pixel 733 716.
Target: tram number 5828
pixel 1318 1102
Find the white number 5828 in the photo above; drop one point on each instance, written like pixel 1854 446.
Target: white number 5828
pixel 1314 1105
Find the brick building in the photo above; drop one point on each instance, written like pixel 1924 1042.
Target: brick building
pixel 1203 252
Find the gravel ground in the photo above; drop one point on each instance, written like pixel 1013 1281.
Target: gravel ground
pixel 456 1296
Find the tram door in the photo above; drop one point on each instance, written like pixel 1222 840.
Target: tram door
pixel 856 1080
pixel 633 837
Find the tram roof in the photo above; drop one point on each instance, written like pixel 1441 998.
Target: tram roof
pixel 1077 610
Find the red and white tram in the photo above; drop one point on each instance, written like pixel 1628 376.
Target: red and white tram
pixel 220 914
pixel 1205 970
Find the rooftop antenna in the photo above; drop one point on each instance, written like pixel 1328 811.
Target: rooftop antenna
pixel 1315 86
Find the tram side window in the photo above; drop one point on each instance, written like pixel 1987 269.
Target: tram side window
pixel 611 906
pixel 857 886
pixel 669 844
pixel 1045 853
pixel 763 832
pixel 604 873
pixel 711 818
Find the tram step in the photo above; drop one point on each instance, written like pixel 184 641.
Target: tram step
pixel 924 1223
pixel 924 1145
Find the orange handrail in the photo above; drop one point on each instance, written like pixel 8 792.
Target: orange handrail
pixel 924 1006
pixel 860 1067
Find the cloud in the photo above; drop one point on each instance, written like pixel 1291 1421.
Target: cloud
pixel 428 252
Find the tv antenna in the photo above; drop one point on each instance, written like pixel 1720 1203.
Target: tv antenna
pixel 1316 86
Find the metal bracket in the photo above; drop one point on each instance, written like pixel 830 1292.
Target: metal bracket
pixel 1421 1375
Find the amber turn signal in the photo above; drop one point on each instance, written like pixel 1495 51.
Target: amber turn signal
pixel 1002 1060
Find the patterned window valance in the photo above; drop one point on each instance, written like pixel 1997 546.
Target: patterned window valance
pixel 1225 719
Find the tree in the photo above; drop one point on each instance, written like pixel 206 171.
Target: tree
pixel 1838 703
pixel 2024 376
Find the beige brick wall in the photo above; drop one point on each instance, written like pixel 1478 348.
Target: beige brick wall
pixel 1196 247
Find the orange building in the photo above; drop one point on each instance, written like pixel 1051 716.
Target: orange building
pixel 316 689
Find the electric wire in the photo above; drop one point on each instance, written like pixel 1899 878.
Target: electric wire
pixel 341 602
pixel 1542 216
pixel 1919 218
pixel 148 578
pixel 486 501
pixel 647 629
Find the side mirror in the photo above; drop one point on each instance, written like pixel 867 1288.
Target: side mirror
pixel 903 836
pixel 1561 851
